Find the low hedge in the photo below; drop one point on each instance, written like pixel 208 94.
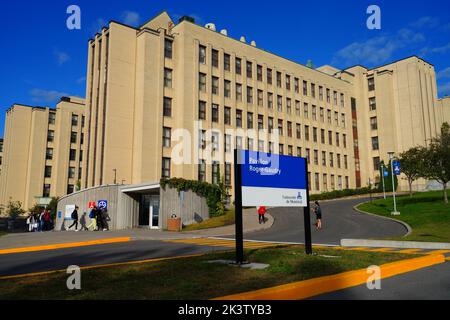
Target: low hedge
pixel 340 194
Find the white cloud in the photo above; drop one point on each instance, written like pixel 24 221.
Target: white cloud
pixel 131 18
pixel 46 96
pixel 81 80
pixel 61 57
pixel 376 50
pixel 439 50
pixel 443 73
pixel 425 22
pixel 444 89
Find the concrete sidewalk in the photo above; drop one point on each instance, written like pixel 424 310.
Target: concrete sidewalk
pixel 30 239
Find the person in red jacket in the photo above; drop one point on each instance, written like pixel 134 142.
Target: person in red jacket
pixel 261 213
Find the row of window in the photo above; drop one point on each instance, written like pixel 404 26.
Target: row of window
pixel 74 120
pixel 306 89
pixel 325 182
pixel 73 136
pixel 72 154
pixel 71 173
pixel 47 187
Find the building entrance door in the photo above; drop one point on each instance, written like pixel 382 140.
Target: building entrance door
pixel 149 211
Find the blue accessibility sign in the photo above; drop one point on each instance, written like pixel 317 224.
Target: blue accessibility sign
pixel 396 167
pixel 273 180
pixel 102 204
pixel 385 172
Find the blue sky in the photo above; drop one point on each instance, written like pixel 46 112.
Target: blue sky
pixel 41 59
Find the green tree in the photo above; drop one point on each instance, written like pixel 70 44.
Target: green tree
pixel 52 207
pixel 437 159
pixel 14 209
pixel 412 164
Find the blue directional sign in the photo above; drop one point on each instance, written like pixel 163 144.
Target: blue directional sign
pixel 396 167
pixel 102 204
pixel 273 180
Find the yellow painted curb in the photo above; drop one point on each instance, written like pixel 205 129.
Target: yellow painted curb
pixel 312 287
pixel 118 264
pixel 64 245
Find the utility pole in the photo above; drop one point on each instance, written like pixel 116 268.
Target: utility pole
pixel 382 177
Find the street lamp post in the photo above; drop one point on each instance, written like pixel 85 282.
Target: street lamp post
pixel 391 158
pixel 382 177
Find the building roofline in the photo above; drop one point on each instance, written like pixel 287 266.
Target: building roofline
pixel 389 63
pixel 258 48
pixel 154 17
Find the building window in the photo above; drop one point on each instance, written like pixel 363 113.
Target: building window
pixel 260 122
pixel 280 103
pixel 167 78
pixel 227 115
pixel 372 104
pixel 215 172
pixel 316 157
pixel 270 124
pixel 371 84
pixel 289 129
pixel 167 108
pixel 269 76
pixel 339 182
pixel 290 151
pixel 72 154
pixel 322 136
pixel 344 139
pixel 168 48
pixel 215 85
pixel 330 138
pixel 328 96
pixel 202 82
pixel 315 134
pixel 373 123
pixel 298 131
pixel 305 110
pixel 73 137
pixel 342 100
pixel 239 118
pixel 307 133
pixel 347 184
pixel 314 113
pixel 270 100
pixel 375 144
pixel 227 89
pixel 50 135
pixel 299 151
pixel 202 55
pixel 51 118
pixel 259 73
pixel 74 120
pixel 278 79
pixel 324 158
pixel 305 88
pixel 260 145
pixel 202 171
pixel 281 149
pixel 335 99
pixel 49 154
pixel 249 120
pixel 324 182
pixel 336 119
pixel 338 158
pixel 320 93
pixel 249 70
pixel 167 136
pixel 48 172
pixel 337 140
pixel 82 138
pixel 80 171
pixel 227 142
pixel 46 191
pixel 166 167
pixel 260 98
pixel 297 108
pixel 288 82
pixel 226 62
pixel 238 66
pixel 280 127
pixel 376 164
pixel 329 116
pixel 228 174
pixel 215 113
pixel 215 58
pixel 316 181
pixel 80 158
pixel 313 90
pixel 238 92
pixel 296 85
pixel 250 144
pixel 71 172
pixel 249 95
pixel 202 139
pixel 202 110
pixel 345 162
pixel 288 105
pixel 343 120
pixel 238 142
pixel 331 159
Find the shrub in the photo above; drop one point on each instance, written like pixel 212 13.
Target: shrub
pixel 339 194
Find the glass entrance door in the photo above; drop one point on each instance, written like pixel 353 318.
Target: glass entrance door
pixel 154 212
pixel 149 211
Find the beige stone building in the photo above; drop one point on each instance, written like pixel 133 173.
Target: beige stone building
pixel 42 151
pixel 145 84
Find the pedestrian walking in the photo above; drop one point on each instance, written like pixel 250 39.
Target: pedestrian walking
pixel 93 217
pixel 30 223
pixel 74 217
pixel 261 214
pixel 47 220
pixel 105 219
pixel 41 221
pixel 318 212
pixel 98 218
pixel 83 222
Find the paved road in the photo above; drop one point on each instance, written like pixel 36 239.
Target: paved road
pixel 340 221
pixel 431 283
pixel 20 263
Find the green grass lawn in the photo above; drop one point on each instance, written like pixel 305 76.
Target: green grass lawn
pixel 195 278
pixel 426 213
pixel 214 222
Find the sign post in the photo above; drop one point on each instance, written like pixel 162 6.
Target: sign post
pixel 270 180
pixel 385 174
pixel 395 169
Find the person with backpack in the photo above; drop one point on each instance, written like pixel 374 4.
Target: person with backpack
pixel 93 218
pixel 105 218
pixel 99 218
pixel 261 214
pixel 318 212
pixel 74 217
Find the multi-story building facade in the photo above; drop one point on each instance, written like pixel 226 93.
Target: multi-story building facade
pixel 1 155
pixel 42 151
pixel 145 84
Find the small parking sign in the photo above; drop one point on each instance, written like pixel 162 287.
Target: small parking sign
pixel 102 204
